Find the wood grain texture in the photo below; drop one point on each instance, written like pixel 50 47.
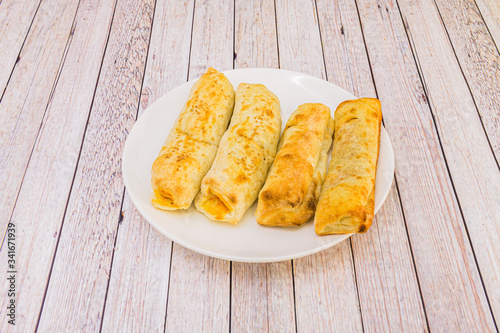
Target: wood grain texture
pixel 15 20
pixel 50 172
pixel 137 294
pixel 451 287
pixel 262 296
pixel 255 40
pixel 199 298
pixel 138 287
pixel 212 43
pixel 80 273
pixel 490 10
pixel 320 304
pixel 471 162
pixel 479 60
pixel 299 40
pixel 25 99
pixel 387 283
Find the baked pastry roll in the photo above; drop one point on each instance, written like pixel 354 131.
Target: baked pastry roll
pixel 292 188
pixel 245 154
pixel 191 146
pixel 347 199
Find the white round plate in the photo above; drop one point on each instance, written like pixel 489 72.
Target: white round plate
pixel 246 241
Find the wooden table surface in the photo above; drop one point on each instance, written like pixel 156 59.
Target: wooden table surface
pixel 76 74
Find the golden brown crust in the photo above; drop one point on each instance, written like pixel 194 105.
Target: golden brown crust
pixel 245 154
pixel 191 146
pixel 176 171
pixel 291 191
pixel 346 202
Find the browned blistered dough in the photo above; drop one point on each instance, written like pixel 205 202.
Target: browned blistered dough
pixel 191 146
pixel 245 154
pixel 346 203
pixel 292 188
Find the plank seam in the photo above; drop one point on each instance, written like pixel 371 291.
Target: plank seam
pixel 277 39
pixel 230 293
pixel 294 298
pixel 112 259
pixel 168 284
pixel 450 177
pixel 191 43
pixel 20 50
pixel 411 251
pixel 356 284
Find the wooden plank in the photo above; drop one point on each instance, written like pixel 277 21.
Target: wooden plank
pixel 137 294
pixel 200 284
pixel 452 292
pixel 262 296
pixel 255 39
pixel 25 99
pixel 387 283
pixel 320 304
pixel 90 224
pixel 16 17
pixel 44 193
pixel 472 164
pixel 489 10
pixel 479 60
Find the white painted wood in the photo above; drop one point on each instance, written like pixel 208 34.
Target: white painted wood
pixel 15 20
pixel 452 292
pixel 299 41
pixel 81 269
pixel 44 192
pixel 255 41
pixel 27 95
pixel 137 295
pixel 325 292
pixel 138 289
pixel 262 297
pixel 489 10
pixel 199 296
pixel 165 69
pixel 321 305
pixel 472 164
pixel 212 43
pixel 261 294
pixel 387 283
pixel 479 60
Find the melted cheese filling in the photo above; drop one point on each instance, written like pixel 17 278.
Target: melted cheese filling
pixel 214 206
pixel 163 199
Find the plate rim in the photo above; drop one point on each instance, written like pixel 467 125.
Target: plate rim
pixel 203 251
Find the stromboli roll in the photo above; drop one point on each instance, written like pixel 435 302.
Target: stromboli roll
pixel 191 146
pixel 292 188
pixel 245 154
pixel 346 203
